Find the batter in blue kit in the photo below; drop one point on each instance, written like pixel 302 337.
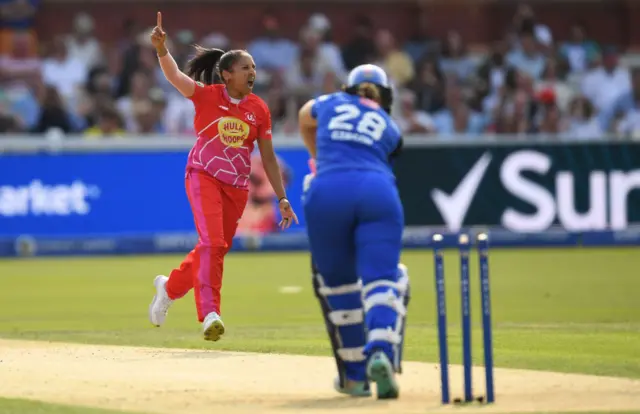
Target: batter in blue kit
pixel 354 222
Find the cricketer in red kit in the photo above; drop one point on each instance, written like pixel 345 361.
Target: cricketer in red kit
pixel 229 121
pixel 216 182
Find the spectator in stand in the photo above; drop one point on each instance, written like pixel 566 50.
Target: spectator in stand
pixel 455 58
pixel 183 50
pixel 109 125
pixel 328 51
pixel 456 117
pixel 492 71
pixel 64 72
pixel 272 51
pixel 310 76
pixel 17 19
pixel 525 21
pixel 82 44
pixel 361 48
pixel 140 86
pixel 130 58
pixel 393 60
pixel 97 94
pixel 607 85
pixel 626 110
pixel 421 44
pixel 9 124
pixel 130 32
pixel 409 119
pixel 146 119
pixel 20 76
pixel 147 63
pixel 304 79
pixel 527 58
pixel 330 83
pixel 523 85
pixel 583 122
pixel 179 114
pixel 276 99
pixel 549 120
pixel 429 86
pixel 579 50
pixel 553 78
pixel 513 108
pixel 53 114
pixel 159 105
pixel 310 61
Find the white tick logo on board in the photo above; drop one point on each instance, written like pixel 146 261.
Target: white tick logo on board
pixel 608 195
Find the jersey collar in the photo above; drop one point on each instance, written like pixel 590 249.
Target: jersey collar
pixel 228 98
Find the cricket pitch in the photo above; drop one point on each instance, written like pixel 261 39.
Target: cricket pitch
pixel 159 380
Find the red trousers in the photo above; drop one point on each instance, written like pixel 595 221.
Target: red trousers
pixel 217 207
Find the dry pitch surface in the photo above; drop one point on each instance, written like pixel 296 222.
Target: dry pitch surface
pixel 190 381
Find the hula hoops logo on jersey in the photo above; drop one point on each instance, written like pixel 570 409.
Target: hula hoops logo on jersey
pixel 232 131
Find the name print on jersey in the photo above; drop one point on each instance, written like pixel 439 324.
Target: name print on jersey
pixel 232 131
pixel 350 124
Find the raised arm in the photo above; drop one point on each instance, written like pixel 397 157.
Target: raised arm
pixel 184 84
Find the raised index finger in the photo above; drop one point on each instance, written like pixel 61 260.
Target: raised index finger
pixel 159 20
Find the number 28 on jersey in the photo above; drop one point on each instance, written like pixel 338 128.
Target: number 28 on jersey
pixel 350 123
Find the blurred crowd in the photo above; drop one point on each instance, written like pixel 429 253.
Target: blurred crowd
pixel 528 82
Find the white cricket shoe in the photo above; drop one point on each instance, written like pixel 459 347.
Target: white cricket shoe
pixel 212 327
pixel 160 304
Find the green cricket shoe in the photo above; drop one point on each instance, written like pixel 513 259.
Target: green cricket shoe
pixel 380 370
pixel 353 388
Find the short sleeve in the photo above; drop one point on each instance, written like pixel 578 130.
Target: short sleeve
pixel 316 104
pixel 264 129
pixel 198 93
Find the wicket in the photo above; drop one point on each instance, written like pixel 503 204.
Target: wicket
pixel 464 247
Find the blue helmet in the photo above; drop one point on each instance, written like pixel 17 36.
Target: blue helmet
pixel 369 74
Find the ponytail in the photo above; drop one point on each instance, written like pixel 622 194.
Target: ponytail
pixel 203 67
pixel 369 91
pixel 379 94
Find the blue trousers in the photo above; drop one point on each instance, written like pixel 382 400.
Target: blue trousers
pixel 354 223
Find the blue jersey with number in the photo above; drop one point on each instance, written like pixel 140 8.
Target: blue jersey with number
pixel 353 133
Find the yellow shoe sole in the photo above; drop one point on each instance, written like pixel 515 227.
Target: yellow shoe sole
pixel 214 332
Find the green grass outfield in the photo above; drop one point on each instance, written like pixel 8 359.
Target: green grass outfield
pixel 568 310
pixel 17 406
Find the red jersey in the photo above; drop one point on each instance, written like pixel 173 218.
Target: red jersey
pixel 226 133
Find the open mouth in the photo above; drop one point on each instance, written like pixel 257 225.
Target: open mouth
pixel 251 82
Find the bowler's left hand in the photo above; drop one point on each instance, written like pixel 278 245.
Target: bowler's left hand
pixel 288 215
